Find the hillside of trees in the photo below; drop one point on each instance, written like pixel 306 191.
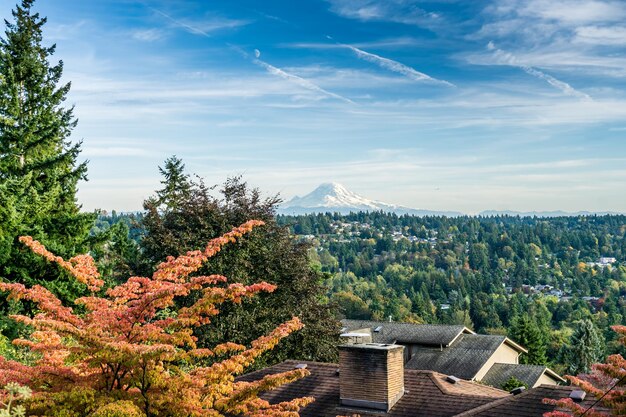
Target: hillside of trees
pixel 504 275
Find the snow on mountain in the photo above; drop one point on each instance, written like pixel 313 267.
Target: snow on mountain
pixel 333 197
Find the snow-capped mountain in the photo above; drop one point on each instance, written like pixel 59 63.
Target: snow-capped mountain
pixel 333 197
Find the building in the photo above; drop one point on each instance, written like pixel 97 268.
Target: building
pixel 452 350
pixel 370 380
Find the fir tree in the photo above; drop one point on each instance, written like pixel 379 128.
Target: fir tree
pixel 526 332
pixel 38 163
pixel 586 347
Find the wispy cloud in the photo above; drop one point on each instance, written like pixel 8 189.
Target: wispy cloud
pixel 574 12
pixel 180 23
pixel 148 35
pixel 395 66
pixel 506 58
pixel 398 11
pixel 302 82
pixel 202 27
pixel 596 35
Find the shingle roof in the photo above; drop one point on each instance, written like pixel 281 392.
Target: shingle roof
pixel 427 393
pixel 467 355
pixel 421 334
pixel 527 404
pixel 500 373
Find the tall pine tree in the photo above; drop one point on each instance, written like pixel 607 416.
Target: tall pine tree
pixel 525 331
pixel 39 171
pixel 586 347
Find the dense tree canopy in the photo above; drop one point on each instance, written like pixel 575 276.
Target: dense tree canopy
pixel 129 354
pixel 184 213
pixel 39 171
pixel 483 272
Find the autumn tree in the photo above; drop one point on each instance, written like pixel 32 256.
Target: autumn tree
pixel 129 354
pixel 607 383
pixel 185 212
pixel 39 171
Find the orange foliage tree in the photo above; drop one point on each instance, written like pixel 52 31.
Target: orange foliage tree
pixel 607 383
pixel 129 354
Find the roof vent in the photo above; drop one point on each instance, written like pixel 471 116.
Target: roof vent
pixel 517 391
pixel 452 379
pixel 578 395
pixel 337 372
pixel 378 329
pixel 301 366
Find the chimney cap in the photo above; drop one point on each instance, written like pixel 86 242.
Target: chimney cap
pixel 371 346
pixel 354 334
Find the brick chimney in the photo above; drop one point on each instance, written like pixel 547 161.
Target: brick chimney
pixel 371 375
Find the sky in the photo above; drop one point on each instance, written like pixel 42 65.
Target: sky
pixel 441 105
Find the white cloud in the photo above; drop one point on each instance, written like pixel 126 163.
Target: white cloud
pixel 204 26
pixel 395 66
pixel 304 83
pixel 148 35
pixel 399 11
pixel 575 12
pixel 505 58
pixel 595 35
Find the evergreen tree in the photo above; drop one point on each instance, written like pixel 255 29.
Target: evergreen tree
pixel 586 347
pixel 526 332
pixel 175 225
pixel 38 164
pixel 513 383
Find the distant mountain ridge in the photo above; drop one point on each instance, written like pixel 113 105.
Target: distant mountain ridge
pixel 335 198
pixel 554 213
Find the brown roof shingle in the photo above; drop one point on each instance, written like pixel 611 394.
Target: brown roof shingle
pixel 527 404
pixel 427 393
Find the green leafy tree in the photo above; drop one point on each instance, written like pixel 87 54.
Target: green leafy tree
pixel 513 383
pixel 526 332
pixel 184 213
pixel 585 347
pixel 38 163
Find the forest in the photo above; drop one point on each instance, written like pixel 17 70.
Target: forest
pixel 493 274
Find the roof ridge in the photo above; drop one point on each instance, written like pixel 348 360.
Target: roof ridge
pixel 493 403
pixel 446 391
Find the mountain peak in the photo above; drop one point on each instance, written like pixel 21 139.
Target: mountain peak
pixel 334 197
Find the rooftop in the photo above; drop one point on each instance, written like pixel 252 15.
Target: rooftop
pixel 421 334
pixel 500 373
pixel 463 359
pixel 527 404
pixel 427 393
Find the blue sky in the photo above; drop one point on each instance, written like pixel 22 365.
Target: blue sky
pixel 455 105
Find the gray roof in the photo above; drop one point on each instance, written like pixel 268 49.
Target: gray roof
pixel 500 373
pixel 463 359
pixel 420 334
